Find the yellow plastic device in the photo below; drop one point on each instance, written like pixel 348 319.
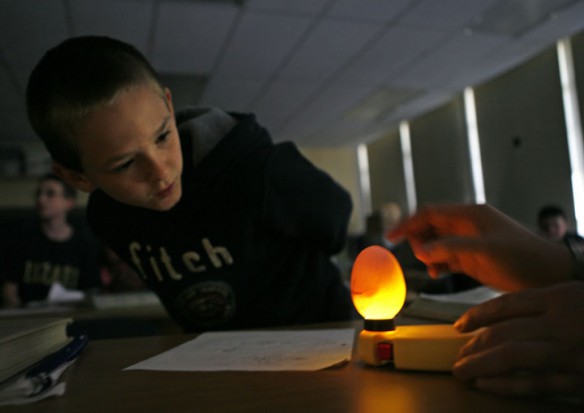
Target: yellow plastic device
pixel 378 290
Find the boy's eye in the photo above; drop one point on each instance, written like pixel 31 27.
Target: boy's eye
pixel 163 137
pixel 123 166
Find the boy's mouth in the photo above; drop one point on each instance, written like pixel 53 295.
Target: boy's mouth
pixel 165 192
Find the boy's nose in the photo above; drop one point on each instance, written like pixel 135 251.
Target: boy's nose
pixel 158 170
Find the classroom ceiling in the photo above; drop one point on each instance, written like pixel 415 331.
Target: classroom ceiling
pixel 318 72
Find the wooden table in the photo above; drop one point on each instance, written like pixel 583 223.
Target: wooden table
pixel 96 383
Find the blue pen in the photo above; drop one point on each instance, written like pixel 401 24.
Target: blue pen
pixel 40 374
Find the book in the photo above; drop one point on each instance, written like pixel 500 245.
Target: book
pixel 448 307
pixel 24 342
pixel 125 300
pixel 423 307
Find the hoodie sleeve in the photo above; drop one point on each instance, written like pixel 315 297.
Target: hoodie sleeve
pixel 304 202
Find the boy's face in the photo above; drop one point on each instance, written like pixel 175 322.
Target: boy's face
pixel 130 149
pixel 554 228
pixel 51 201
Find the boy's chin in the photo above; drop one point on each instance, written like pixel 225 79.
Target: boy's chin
pixel 164 206
pixel 168 202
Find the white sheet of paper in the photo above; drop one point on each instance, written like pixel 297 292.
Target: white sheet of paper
pixel 256 351
pixel 472 296
pixel 60 294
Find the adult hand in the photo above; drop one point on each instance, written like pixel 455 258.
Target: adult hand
pixel 482 242
pixel 532 343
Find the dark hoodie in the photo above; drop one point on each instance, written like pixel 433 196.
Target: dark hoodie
pixel 249 243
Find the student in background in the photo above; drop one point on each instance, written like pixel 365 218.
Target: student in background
pixel 229 229
pixel 532 338
pixel 553 224
pixel 387 216
pixel 49 250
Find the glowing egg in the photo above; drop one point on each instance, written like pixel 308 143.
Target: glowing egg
pixel 378 287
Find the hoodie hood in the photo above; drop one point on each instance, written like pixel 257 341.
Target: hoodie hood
pixel 206 126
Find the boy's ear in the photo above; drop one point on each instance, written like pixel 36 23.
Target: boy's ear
pixel 76 179
pixel 169 100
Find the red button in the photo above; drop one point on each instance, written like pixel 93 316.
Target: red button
pixel 385 351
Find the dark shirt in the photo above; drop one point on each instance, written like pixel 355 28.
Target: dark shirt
pixel 248 245
pixel 35 262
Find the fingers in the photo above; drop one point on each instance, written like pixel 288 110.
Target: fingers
pixel 511 357
pixel 396 234
pixel 525 366
pixel 516 329
pixel 418 227
pixel 432 221
pixel 436 270
pixel 444 237
pixel 450 252
pixel 511 305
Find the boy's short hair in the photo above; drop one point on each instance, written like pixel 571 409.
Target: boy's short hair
pixel 549 211
pixel 75 77
pixel 68 190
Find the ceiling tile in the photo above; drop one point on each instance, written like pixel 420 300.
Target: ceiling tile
pixel 436 71
pixel 428 101
pixel 393 52
pixel 500 60
pixel 186 89
pixel 282 99
pixel 445 14
pixel 231 94
pixel 513 17
pixel 329 47
pixel 334 101
pixel 190 35
pixel 127 20
pixel 572 21
pixel 379 103
pixel 382 11
pixel 260 44
pixel 29 29
pixel 286 6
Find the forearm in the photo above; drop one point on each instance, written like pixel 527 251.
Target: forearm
pixel 551 264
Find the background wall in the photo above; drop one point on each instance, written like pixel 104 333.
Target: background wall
pixel 578 54
pixel 440 155
pixel 523 143
pixel 18 192
pixel 386 172
pixel 523 139
pixel 342 165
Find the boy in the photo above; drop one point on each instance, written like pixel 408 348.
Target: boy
pixel 50 250
pixel 553 224
pixel 230 230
